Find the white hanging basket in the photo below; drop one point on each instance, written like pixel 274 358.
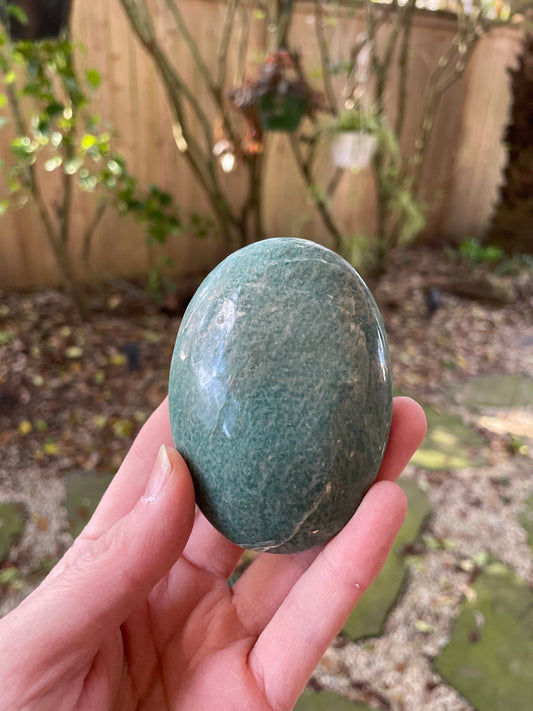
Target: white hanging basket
pixel 353 149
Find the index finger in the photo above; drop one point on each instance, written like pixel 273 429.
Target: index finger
pixel 320 601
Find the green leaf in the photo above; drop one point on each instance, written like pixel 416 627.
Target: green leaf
pixel 72 166
pixel 54 109
pixel 93 78
pixel 87 182
pixel 17 13
pixel 53 163
pixel 114 167
pixel 8 576
pixel 22 147
pixel 88 141
pixel 74 352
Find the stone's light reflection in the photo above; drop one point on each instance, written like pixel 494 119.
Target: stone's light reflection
pixel 211 369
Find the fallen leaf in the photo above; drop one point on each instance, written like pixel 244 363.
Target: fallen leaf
pixel 25 427
pixel 74 352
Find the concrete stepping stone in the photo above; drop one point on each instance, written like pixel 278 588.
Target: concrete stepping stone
pixel 83 493
pixel 449 444
pixel 489 658
pixel 327 701
pixel 496 391
pixel 372 611
pixel 516 422
pixel 12 520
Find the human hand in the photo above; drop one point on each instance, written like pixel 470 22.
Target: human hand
pixel 138 613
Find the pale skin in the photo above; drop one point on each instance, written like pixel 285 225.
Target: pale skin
pixel 138 613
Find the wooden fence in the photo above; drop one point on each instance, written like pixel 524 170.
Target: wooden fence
pixel 462 174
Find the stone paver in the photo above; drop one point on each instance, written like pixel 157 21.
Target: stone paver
pixel 496 391
pixel 489 658
pixel 12 518
pixel 449 444
pixel 370 615
pixel 83 492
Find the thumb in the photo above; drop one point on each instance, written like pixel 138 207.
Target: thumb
pixel 102 580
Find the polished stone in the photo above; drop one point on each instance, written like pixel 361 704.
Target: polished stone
pixel 280 394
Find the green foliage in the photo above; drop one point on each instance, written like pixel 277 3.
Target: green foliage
pixel 159 284
pixel 477 253
pixel 354 120
pixel 407 212
pixel 516 264
pixel 46 102
pixel 17 13
pixel 63 134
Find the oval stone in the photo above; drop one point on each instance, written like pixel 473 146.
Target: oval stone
pixel 280 394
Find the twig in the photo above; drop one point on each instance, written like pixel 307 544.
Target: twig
pixel 243 48
pixel 284 23
pixel 449 69
pixel 227 29
pixel 213 87
pixel 90 230
pixel 316 196
pixel 408 12
pixel 176 88
pixel 325 59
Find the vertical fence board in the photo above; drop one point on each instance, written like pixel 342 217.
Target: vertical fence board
pixel 477 173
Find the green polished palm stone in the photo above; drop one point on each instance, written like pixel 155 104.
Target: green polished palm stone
pixel 280 394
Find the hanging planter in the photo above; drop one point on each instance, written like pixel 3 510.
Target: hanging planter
pixel 36 19
pixel 279 98
pixel 281 112
pixel 353 149
pixel 354 140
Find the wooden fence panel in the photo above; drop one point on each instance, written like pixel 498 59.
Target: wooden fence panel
pixel 461 177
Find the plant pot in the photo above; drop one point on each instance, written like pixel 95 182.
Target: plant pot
pixel 281 113
pixel 353 149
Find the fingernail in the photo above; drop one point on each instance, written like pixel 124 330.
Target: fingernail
pixel 158 477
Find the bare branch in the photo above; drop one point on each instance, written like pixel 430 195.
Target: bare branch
pixel 193 49
pixel 319 199
pixel 408 13
pixel 90 230
pixel 227 28
pixel 325 59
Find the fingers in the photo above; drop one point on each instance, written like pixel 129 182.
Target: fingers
pixel 207 549
pixel 261 589
pixel 210 551
pixel 101 580
pixel 264 586
pixel 408 429
pixel 317 606
pixel 129 482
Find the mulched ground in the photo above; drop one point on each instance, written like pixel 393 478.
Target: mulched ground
pixel 73 394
